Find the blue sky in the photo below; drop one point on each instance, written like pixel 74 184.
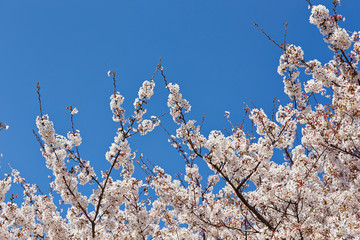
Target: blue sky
pixel 210 48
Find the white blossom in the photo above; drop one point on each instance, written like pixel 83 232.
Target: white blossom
pixel 249 191
pixel 340 39
pixel 74 111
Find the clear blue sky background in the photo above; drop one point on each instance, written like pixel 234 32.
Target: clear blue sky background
pixel 209 47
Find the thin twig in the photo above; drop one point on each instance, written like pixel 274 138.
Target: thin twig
pixel 39 97
pixel 114 83
pixel 285 34
pixel 282 47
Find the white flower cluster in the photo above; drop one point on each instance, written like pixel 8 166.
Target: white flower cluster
pixel 118 153
pixel 75 138
pixel 340 39
pixel 313 86
pixel 290 60
pixel 145 93
pixel 147 125
pixel 4 187
pixel 115 106
pixel 312 193
pixel 176 103
pixel 190 135
pixel 320 17
pixel 46 130
pixel 336 36
pixel 147 90
pixel 355 38
pixel 279 136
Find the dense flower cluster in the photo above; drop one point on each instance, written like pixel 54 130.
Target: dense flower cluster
pixel 176 103
pixel 313 193
pixel 335 35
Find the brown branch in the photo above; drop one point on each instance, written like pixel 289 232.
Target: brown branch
pixel 79 205
pixel 344 151
pixel 282 47
pixel 219 170
pixel 114 82
pixel 247 178
pixel 285 34
pixel 350 64
pixel 243 200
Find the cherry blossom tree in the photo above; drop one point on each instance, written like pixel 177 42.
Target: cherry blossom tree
pixel 314 193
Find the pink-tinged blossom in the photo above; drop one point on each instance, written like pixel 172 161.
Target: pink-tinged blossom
pixel 312 192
